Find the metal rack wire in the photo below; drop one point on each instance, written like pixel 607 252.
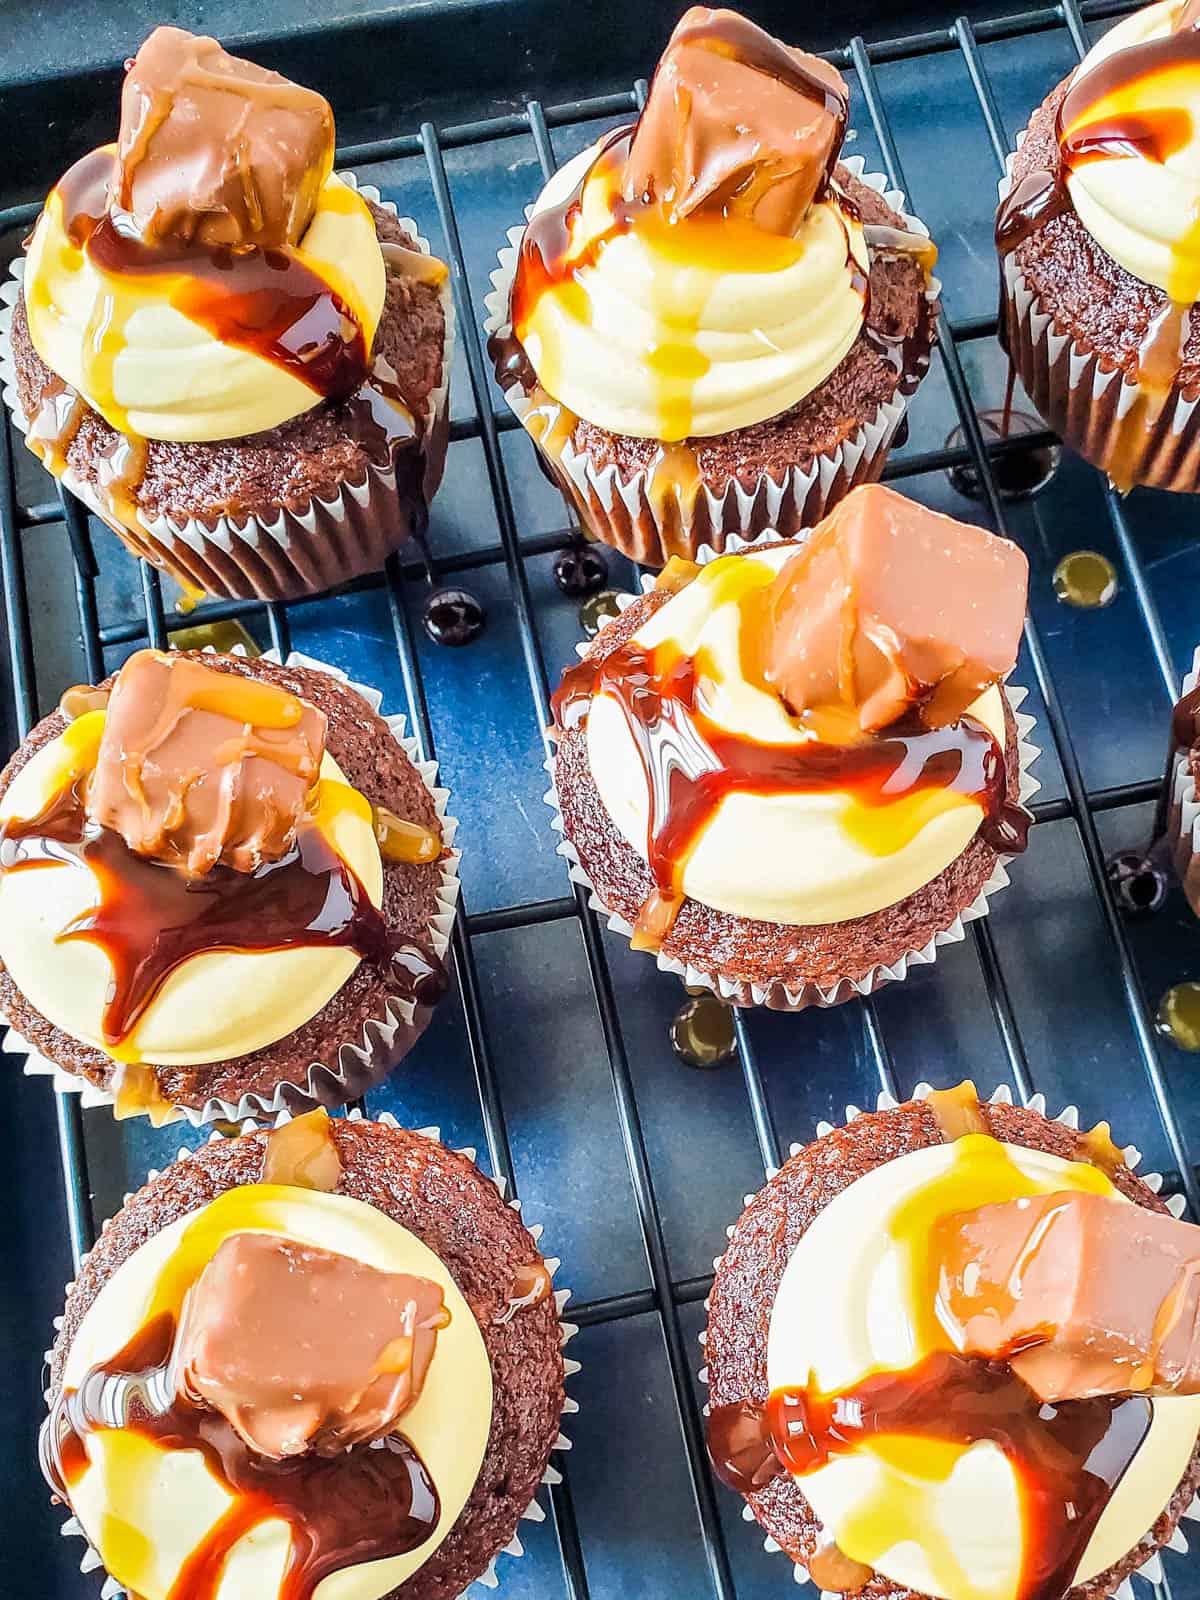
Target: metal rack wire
pixel 665 1297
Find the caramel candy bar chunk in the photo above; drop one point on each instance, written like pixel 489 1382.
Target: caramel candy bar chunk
pixel 1084 1294
pixel 214 150
pixel 891 607
pixel 198 767
pixel 736 123
pixel 302 1350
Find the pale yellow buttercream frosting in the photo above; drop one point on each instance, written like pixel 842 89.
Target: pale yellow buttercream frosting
pixel 952 1529
pixel 788 858
pixel 1143 212
pixel 696 327
pixel 146 1509
pixel 167 376
pixel 215 1006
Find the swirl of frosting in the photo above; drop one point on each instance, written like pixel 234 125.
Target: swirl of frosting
pixel 697 326
pixel 936 1518
pixel 130 343
pixel 148 1508
pixel 215 1006
pixel 1131 152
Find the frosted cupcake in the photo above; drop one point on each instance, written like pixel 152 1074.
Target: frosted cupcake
pixel 953 1349
pixel 321 1360
pixel 1100 265
pixel 793 770
pixel 226 887
pixel 711 321
pixel 231 354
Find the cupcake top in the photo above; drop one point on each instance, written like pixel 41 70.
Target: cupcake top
pixel 806 734
pixel 1128 159
pixel 186 875
pixel 994 1394
pixel 703 270
pixel 207 276
pixel 283 1391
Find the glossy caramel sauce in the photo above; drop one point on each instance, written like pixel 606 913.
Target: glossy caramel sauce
pixel 402 840
pixel 303 1154
pixel 531 1284
pixel 1096 1147
pixel 358 1506
pixel 957 1111
pixel 149 918
pixel 1098 120
pixel 897 779
pixel 833 1571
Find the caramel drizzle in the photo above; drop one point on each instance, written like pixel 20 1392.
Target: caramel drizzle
pixel 1068 1458
pixel 531 1285
pixel 690 764
pixel 358 1506
pixel 149 919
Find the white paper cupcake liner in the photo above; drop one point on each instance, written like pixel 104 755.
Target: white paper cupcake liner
pixel 1092 405
pixel 647 527
pixel 489 1578
pixel 777 995
pixel 300 550
pixel 1151 1570
pixel 361 1064
pixel 1183 819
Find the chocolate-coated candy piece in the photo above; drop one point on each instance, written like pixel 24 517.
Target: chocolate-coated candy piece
pixel 1085 1293
pixel 214 150
pixel 891 607
pixel 198 767
pixel 301 1349
pixel 736 123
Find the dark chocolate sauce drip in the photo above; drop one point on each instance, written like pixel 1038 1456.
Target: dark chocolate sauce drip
pixel 266 301
pixel 691 764
pixel 149 918
pixel 1068 1458
pixel 362 1505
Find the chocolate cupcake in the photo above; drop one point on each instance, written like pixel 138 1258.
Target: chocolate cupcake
pixel 266 412
pixel 330 1349
pixel 953 1350
pixel 711 321
pixel 792 770
pixel 1100 270
pixel 226 887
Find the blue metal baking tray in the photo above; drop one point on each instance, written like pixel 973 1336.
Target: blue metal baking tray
pixel 553 1053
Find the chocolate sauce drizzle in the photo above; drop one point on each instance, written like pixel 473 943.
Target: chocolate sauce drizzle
pixel 358 1506
pixel 149 918
pixel 1068 1458
pixel 691 764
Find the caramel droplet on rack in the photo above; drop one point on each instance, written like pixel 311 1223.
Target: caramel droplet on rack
pixel 401 840
pixel 1178 1016
pixel 957 1111
pixel 833 1570
pixel 303 1154
pixel 702 1031
pixel 1085 579
pixel 597 610
pixel 81 698
pixel 531 1285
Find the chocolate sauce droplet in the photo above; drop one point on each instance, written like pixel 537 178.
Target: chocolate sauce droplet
pixel 580 570
pixel 702 1032
pixel 1019 473
pixel 594 613
pixel 1138 883
pixel 453 617
pixel 1085 579
pixel 1178 1017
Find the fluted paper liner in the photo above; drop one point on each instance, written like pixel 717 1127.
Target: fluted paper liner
pixel 363 1063
pixel 777 995
pixel 301 550
pixel 489 1578
pixel 1090 403
pixel 1183 818
pixel 1151 1569
pixel 647 527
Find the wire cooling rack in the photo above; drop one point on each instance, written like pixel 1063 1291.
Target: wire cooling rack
pixel 553 1052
